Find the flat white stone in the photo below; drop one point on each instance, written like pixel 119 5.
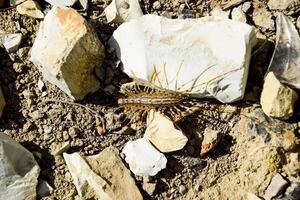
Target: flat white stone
pixel 143 158
pixel 67 50
pixel 2 102
pixel 206 57
pixel 10 41
pixel 31 9
pixel 119 11
pixel 62 2
pixel 103 176
pixel 163 134
pixel 277 100
pixel 18 171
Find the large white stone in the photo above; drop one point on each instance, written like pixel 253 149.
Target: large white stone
pixel 18 171
pixel 276 99
pixel 102 176
pixel 143 158
pixel 207 57
pixel 119 11
pixel 66 50
pixel 163 134
pixel 2 102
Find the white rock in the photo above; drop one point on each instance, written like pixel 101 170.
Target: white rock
pixel 62 2
pixel 18 171
pixel 285 62
pixel 84 4
pixel 162 133
pixel 2 102
pixel 10 41
pixel 119 11
pixel 218 12
pixel 66 50
pixel 262 17
pixel 41 85
pixel 31 9
pixel 102 176
pixel 276 186
pixel 143 158
pixel 238 14
pixel 208 57
pixel 251 196
pixel 276 99
pixel 210 140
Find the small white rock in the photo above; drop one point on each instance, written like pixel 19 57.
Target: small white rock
pixel 276 186
pixel 119 11
pixel 31 9
pixel 239 15
pixel 206 57
pixel 62 2
pixel 41 85
pixel 143 158
pixel 163 134
pixel 15 2
pixel 276 99
pixel 218 12
pixel 10 41
pixel 280 4
pixel 2 102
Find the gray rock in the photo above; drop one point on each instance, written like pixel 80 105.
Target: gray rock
pixel 293 191
pixel 102 176
pixel 43 189
pixel 67 50
pixel 277 185
pixel 10 41
pixel 182 189
pixel 18 171
pixel 143 158
pixel 285 62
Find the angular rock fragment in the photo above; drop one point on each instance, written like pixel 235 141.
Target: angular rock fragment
pixel 15 2
pixel 31 9
pixel 276 186
pixel 238 14
pixel 18 171
pixel 2 102
pixel 119 11
pixel 163 134
pixel 102 176
pixel 67 50
pixel 262 17
pixel 285 62
pixel 10 41
pixel 277 100
pixel 62 2
pixel 187 55
pixel 143 158
pixel 210 140
pixel 280 4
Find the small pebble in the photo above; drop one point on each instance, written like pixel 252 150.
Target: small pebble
pixel 157 5
pixel 182 189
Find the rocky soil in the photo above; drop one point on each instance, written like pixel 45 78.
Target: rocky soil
pixel 248 156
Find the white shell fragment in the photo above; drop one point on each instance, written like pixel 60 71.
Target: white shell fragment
pixel 143 158
pixel 18 171
pixel 207 57
pixel 163 134
pixel 285 62
pixel 119 11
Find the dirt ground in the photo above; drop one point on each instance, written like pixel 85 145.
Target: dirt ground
pixel 244 161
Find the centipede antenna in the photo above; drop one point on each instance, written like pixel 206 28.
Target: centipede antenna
pixel 177 74
pixel 166 76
